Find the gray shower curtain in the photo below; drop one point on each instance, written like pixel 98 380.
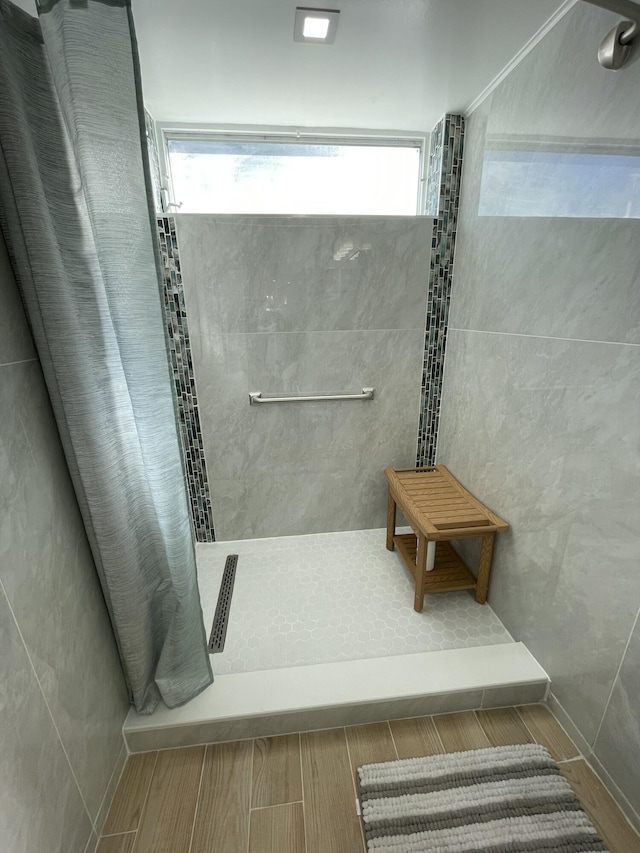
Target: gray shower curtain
pixel 75 213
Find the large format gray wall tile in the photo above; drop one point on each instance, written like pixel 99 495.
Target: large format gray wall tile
pixel 272 310
pixel 49 576
pixel 560 276
pixel 42 810
pixel 275 274
pixel 47 571
pixel 620 730
pixel 539 418
pixel 526 288
pixel 545 432
pixel 309 467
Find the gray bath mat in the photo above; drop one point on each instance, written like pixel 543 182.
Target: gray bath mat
pixel 507 799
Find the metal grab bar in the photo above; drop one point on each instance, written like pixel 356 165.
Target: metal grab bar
pixel 256 397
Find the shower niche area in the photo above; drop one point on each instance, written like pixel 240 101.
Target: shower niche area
pixel 321 628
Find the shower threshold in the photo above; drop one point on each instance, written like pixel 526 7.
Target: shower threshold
pixel 322 633
pixel 321 696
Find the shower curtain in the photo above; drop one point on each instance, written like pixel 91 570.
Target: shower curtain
pixel 75 213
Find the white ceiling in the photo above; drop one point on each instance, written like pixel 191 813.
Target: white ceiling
pixel 395 64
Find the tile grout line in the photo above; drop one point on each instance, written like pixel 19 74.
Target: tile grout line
pixel 544 337
pixel 440 741
pixel 106 791
pixel 352 773
pixel 117 834
pixel 524 51
pixel 535 739
pixel 393 740
pixel 46 702
pixel 145 801
pixel 210 336
pixel 253 755
pixel 195 811
pixel 524 723
pixel 22 361
pixel 614 798
pixel 276 805
pixel 253 770
pixel 613 683
pixel 304 811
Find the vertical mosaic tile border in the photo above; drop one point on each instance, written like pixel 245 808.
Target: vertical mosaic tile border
pixel 184 381
pixel 443 197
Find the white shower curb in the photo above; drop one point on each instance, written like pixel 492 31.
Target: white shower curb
pixel 293 699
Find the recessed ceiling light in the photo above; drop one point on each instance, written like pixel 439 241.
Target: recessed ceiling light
pixel 315 25
pixel 315 28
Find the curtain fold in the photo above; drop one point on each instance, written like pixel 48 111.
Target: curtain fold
pixel 75 215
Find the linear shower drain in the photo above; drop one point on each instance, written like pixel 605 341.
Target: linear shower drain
pixel 221 619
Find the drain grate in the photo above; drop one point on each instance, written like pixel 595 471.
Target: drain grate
pixel 221 619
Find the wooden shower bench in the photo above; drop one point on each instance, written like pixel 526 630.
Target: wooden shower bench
pixel 439 509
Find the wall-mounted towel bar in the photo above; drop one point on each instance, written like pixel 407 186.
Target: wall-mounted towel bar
pixel 256 397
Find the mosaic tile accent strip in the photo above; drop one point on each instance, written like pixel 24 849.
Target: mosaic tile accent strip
pixel 183 375
pixel 447 143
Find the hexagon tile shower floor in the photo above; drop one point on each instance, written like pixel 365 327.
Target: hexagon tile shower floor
pixel 327 597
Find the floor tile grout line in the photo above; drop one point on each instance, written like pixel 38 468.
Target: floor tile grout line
pixel 441 742
pixel 253 753
pixel 393 740
pixel 253 771
pixel 610 792
pixel 276 806
pixel 195 811
pixel 304 810
pixel 524 723
pixel 535 739
pixel 145 801
pixel 353 771
pixel 47 706
pixel 117 834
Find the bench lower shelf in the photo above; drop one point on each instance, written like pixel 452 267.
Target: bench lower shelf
pixel 449 573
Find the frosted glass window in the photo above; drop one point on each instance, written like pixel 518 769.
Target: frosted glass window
pixel 214 176
pixel 560 184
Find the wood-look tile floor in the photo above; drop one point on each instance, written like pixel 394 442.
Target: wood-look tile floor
pixel 296 793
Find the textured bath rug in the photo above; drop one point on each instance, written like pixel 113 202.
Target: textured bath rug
pixel 507 799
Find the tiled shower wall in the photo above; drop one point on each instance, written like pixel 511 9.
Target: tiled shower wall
pixel 304 305
pixel 541 405
pixel 340 265
pixel 442 197
pixel 63 699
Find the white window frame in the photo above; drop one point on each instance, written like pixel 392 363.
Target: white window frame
pixel 322 136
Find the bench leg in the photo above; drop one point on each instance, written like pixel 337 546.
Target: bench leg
pixel 421 567
pixel 391 521
pixel 486 552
